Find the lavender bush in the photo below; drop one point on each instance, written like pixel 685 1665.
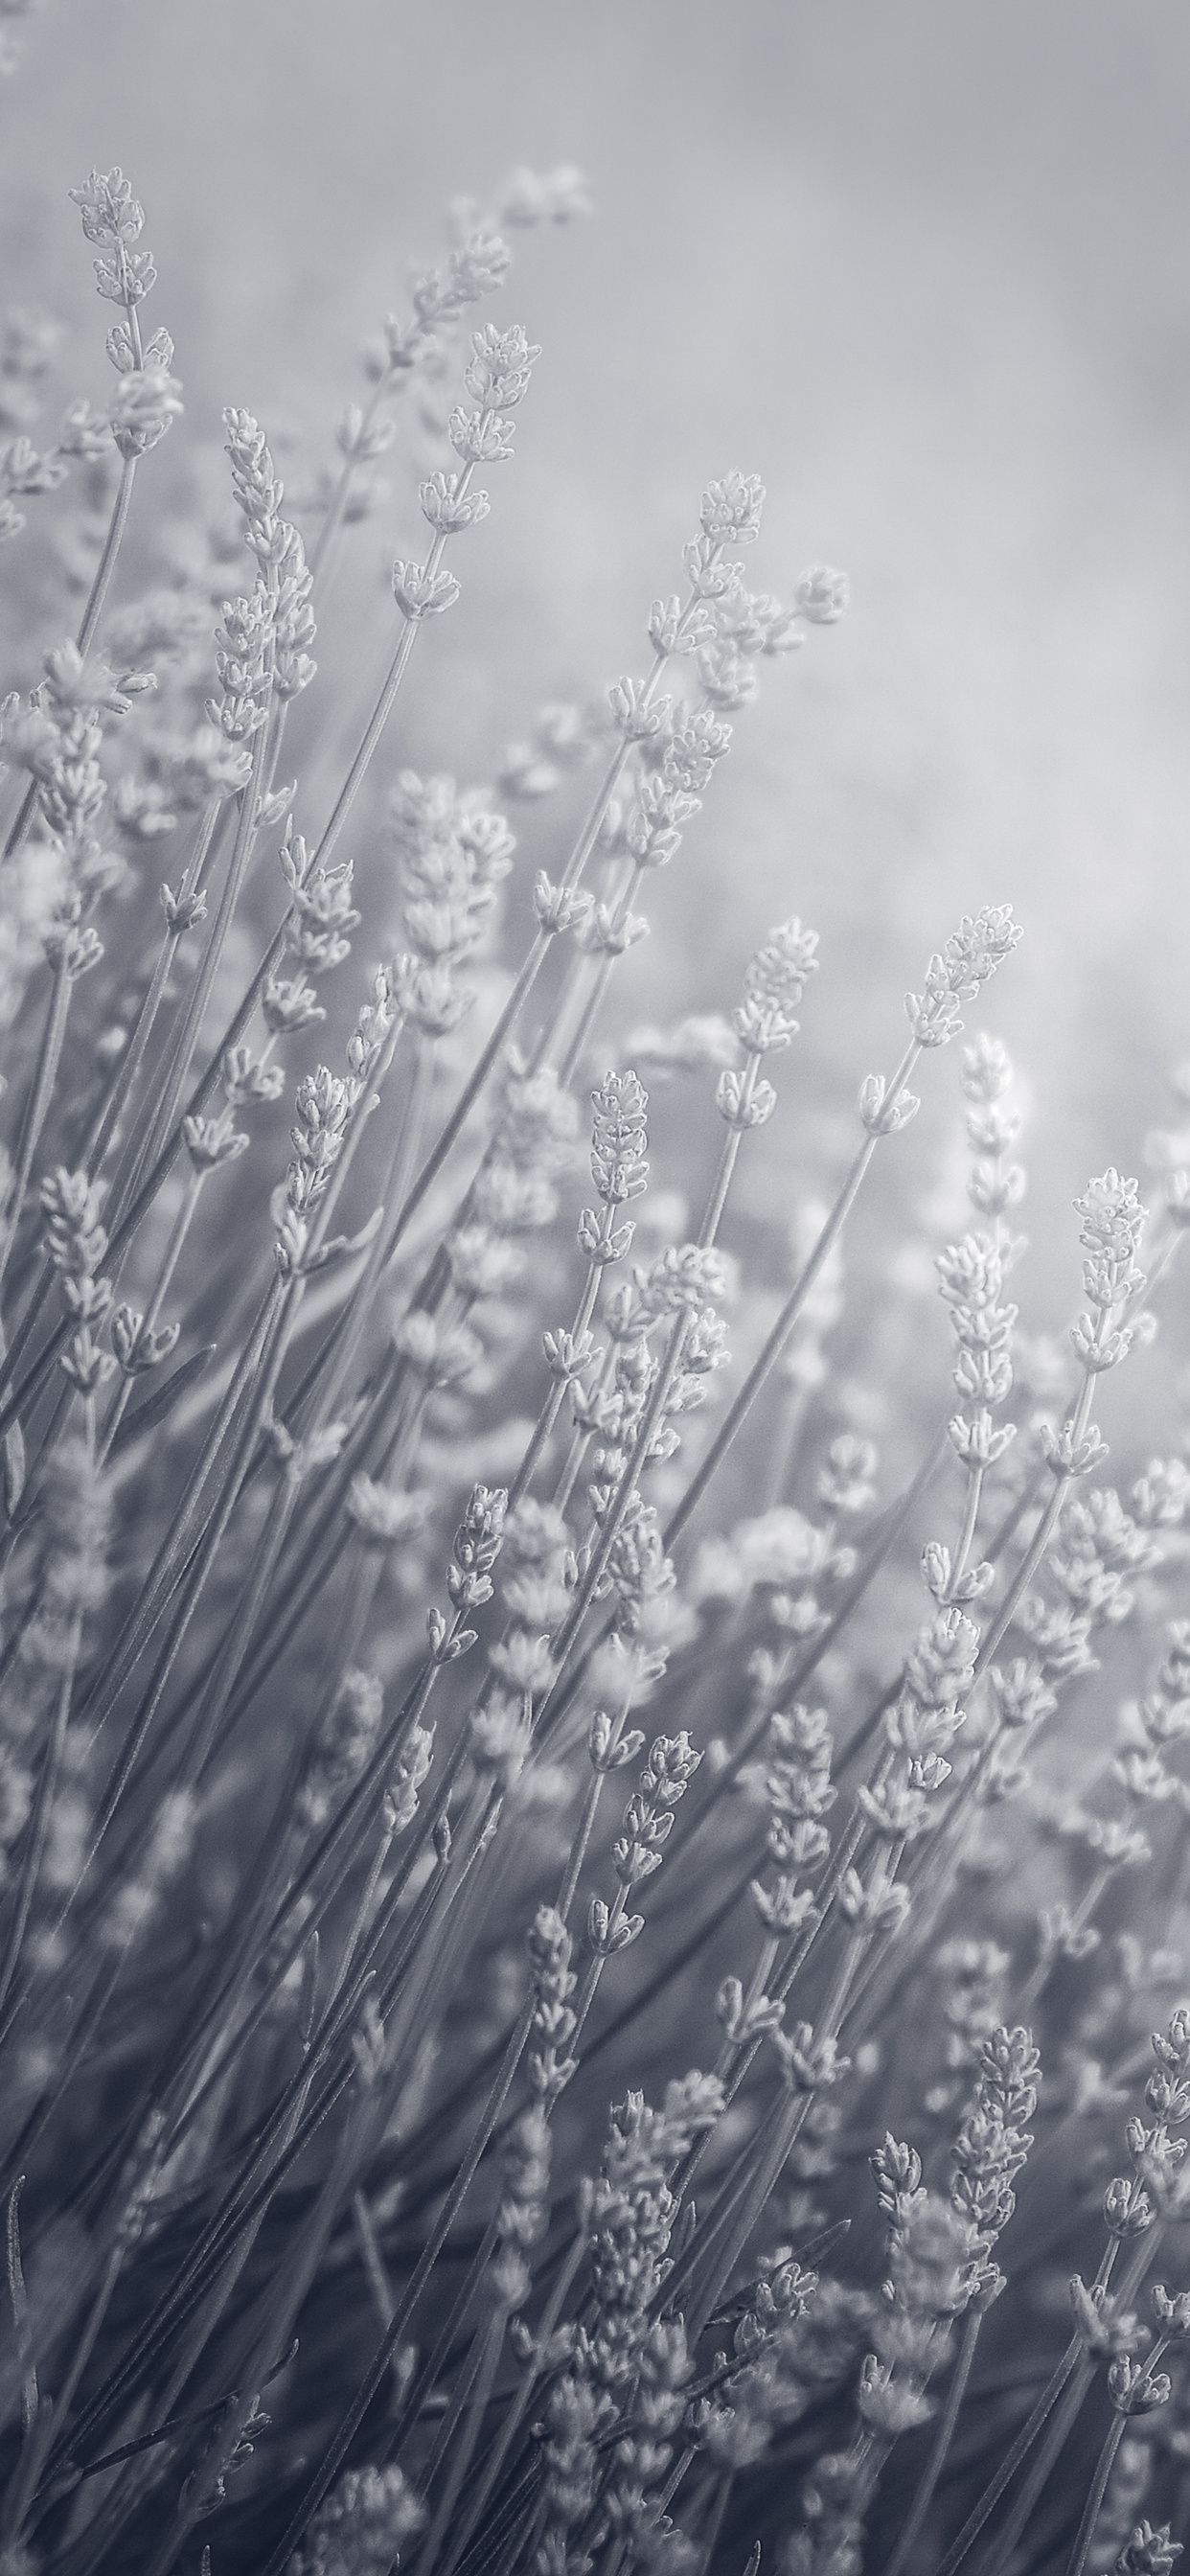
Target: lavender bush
pixel 591 1970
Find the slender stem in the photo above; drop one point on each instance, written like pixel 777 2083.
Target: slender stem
pixel 330 1369
pixel 794 1683
pixel 381 2362
pixel 556 1397
pixel 383 2294
pixel 943 2435
pixel 47 1783
pixel 106 565
pixel 975 1477
pixel 1018 2521
pixel 340 1842
pixel 372 731
pixel 39 1822
pixel 288 2129
pixel 271 2330
pixel 177 1547
pixel 186 1040
pixel 1098 2489
pixel 777 1339
pixel 40 1094
pixel 106 1131
pixel 440 2552
pixel 332 517
pixel 92 613
pixel 1018 2450
pixel 514 2414
pixel 489 1055
pixel 167 1268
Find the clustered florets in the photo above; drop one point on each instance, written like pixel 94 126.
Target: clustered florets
pixel 657 2332
pixel 453 856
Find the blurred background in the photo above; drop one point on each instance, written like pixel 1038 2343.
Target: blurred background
pixel 923 267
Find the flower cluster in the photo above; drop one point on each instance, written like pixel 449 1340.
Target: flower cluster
pixel 57 740
pixel 778 1554
pixel 649 1814
pixel 473 269
pixel 453 857
pixel 523 2211
pixel 75 1242
pixel 992 2144
pixel 365 2520
pixel 927 2284
pixel 775 980
pixel 497 379
pixel 995 1184
pixel 477 1543
pixel 77 1506
pixel 768 2342
pixel 314 1934
pixel 536 1575
pixel 1149 2552
pixel 629 2214
pixel 971 1277
pixel 262 650
pixel 1140 1781
pixel 799 1794
pixel 1104 1545
pixel 956 973
pixel 325 1106
pixel 148 397
pixel 972 1977
pixel 244 662
pixel 618 1145
pixel 342 1748
pixel 920 1728
pixel 1152 2188
pixel 317 934
pixel 25 470
pixel 1113 1222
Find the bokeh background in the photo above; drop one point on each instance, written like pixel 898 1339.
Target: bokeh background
pixel 925 267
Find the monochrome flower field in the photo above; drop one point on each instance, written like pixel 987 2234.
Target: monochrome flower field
pixel 594 1882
